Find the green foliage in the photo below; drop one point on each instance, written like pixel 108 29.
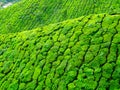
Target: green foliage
pixel 80 54
pixel 114 84
pixel 36 72
pixel 31 85
pixel 22 86
pixel 107 70
pixel 13 86
pixel 7 66
pixel 27 15
pixel 71 86
pixel 26 75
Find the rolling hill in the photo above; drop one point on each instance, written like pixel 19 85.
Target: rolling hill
pixel 60 45
pixel 77 54
pixel 30 14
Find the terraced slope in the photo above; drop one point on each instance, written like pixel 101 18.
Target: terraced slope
pixel 79 54
pixel 29 14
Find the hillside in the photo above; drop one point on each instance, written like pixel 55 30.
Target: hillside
pixel 30 14
pixel 77 54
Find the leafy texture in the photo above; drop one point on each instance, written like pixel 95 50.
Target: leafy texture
pixel 30 14
pixel 77 54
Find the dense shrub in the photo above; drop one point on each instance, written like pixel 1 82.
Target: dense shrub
pixel 74 54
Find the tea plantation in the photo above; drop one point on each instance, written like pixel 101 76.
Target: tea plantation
pixel 30 14
pixel 60 45
pixel 78 54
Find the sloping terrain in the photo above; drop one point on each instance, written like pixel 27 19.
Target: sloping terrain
pixel 30 14
pixel 77 54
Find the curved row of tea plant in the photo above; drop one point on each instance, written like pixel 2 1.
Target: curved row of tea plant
pixel 78 54
pixel 29 14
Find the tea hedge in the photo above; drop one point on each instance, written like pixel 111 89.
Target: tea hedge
pixel 77 54
pixel 30 14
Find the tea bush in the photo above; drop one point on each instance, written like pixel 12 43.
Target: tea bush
pixel 80 54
